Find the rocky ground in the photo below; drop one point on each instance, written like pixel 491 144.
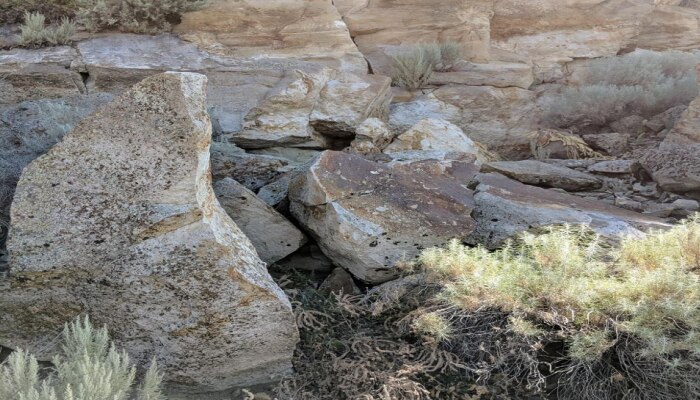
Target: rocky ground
pixel 278 138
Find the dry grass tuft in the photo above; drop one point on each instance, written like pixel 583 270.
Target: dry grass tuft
pixel 355 350
pixel 575 147
pixel 413 67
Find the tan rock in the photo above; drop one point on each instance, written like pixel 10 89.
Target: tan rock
pixel 368 216
pixel 315 110
pixel 435 135
pixel 498 74
pixel 499 118
pixel 119 221
pixel 309 30
pixel 273 236
pixel 372 136
pixel 380 28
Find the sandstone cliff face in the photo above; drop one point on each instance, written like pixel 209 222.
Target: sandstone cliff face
pixel 119 221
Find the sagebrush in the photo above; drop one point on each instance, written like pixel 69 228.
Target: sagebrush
pixel 603 322
pixel 641 83
pixel 413 66
pixel 35 32
pixel 138 16
pixel 88 368
pixel 12 11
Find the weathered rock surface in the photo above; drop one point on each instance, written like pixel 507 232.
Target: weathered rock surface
pixel 273 236
pixel 382 28
pixel 505 207
pixel 339 282
pixel 252 170
pixel 497 74
pixel 315 110
pixel 38 74
pixel 303 29
pixel 616 167
pixel 498 118
pixel 614 144
pixel 675 165
pixel 542 174
pixel 371 136
pixel 119 221
pixel 368 216
pixel 434 134
pixel 553 32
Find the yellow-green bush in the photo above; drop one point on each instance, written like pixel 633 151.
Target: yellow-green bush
pixel 624 319
pixel 89 368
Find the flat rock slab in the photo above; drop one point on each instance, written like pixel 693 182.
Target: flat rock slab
pixel 273 236
pixel 119 221
pixel 505 208
pixel 542 174
pixel 367 216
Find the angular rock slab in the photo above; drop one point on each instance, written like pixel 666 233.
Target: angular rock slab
pixel 542 174
pixel 368 216
pixel 119 221
pixel 273 236
pixel 505 207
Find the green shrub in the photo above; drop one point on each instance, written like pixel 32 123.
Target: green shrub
pixel 641 83
pixel 138 16
pixel 90 368
pixel 609 323
pixel 36 33
pixel 413 67
pixel 12 11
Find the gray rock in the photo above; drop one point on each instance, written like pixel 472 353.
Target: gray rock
pixel 38 74
pixel 505 208
pixel 119 221
pixel 273 236
pixel 339 282
pixel 616 167
pixel 309 258
pixel 542 174
pixel 251 170
pixel 633 125
pixel 675 167
pixel 613 144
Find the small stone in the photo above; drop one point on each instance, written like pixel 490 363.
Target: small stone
pixel 615 167
pixel 629 204
pixel 339 282
pixel 613 144
pixel 686 204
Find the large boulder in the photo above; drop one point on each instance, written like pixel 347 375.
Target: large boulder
pixel 368 216
pixel 273 236
pixel 505 207
pixel 119 221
